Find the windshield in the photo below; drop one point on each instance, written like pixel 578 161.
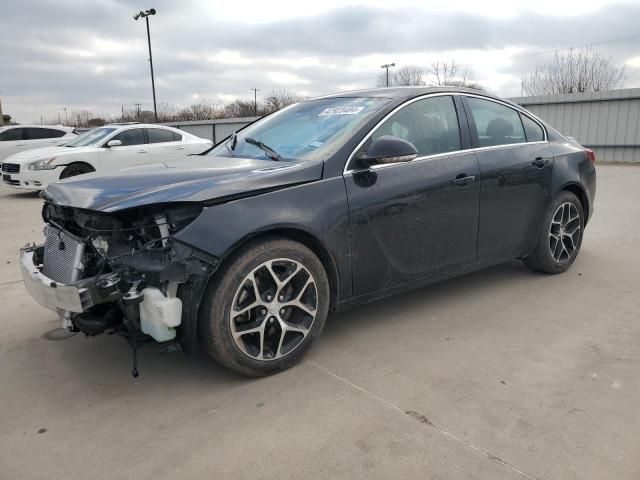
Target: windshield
pixel 91 137
pixel 309 130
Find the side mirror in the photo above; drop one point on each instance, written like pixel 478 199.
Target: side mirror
pixel 113 143
pixel 388 149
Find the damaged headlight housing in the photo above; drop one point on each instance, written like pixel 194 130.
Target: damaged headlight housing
pixel 44 164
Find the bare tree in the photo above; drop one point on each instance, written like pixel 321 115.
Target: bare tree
pixel 405 76
pixel 237 109
pixel 280 99
pixel 449 74
pixel 81 118
pixel 204 109
pixel 167 112
pixel 574 72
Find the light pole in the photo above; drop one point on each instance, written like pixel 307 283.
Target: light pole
pixel 66 117
pixel 255 100
pixel 387 66
pixel 145 14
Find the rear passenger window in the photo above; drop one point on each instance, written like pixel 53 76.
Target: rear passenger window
pixel 159 135
pixel 11 135
pixel 532 130
pixel 53 133
pixel 133 136
pixel 496 124
pixel 430 124
pixel 38 133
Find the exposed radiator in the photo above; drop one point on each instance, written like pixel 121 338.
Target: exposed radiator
pixel 63 254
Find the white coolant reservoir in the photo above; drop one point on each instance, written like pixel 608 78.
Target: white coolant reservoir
pixel 159 315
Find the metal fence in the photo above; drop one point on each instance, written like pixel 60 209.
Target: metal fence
pixel 214 130
pixel 608 121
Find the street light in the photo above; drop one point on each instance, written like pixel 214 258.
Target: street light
pixel 387 66
pixel 145 14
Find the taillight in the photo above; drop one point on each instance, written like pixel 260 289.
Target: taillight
pixel 591 155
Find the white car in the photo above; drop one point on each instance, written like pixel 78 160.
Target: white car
pixel 18 138
pixel 104 149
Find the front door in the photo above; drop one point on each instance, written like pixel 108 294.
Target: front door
pixel 516 164
pixel 133 151
pixel 410 220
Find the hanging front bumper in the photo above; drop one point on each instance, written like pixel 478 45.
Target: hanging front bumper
pixel 49 293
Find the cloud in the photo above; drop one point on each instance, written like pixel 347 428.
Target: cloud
pixel 93 55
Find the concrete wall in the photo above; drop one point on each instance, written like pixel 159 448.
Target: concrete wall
pixel 608 122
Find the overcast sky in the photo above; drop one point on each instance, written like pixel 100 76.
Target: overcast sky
pixel 93 55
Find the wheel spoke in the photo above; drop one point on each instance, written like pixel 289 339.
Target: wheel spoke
pixel 244 310
pixel 301 306
pixel 282 283
pixel 295 328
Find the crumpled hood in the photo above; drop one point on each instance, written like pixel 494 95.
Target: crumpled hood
pixel 194 179
pixel 29 156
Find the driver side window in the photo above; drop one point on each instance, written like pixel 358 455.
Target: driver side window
pixel 133 136
pixel 430 124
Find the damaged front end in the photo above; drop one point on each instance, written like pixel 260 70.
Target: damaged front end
pixel 122 272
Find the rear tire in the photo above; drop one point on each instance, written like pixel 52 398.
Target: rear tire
pixel 264 308
pixel 560 235
pixel 76 169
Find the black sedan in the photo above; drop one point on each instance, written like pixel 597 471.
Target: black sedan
pixel 324 204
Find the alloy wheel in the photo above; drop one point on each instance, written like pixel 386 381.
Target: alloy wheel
pixel 564 233
pixel 273 309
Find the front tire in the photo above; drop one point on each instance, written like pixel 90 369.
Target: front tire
pixel 264 308
pixel 560 235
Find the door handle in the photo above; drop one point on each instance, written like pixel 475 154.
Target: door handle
pixel 463 179
pixel 142 151
pixel 540 162
pixel 179 148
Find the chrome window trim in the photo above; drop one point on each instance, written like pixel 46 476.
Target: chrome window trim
pixel 347 170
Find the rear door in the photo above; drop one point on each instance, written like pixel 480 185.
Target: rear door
pixel 413 219
pixel 39 137
pixel 165 144
pixel 515 175
pixel 12 141
pixel 133 151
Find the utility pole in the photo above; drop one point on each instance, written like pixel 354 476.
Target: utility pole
pixel 387 66
pixel 255 100
pixel 66 117
pixel 138 105
pixel 59 119
pixel 1 115
pixel 145 15
pixel 122 113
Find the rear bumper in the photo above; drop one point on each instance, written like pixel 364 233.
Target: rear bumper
pixel 48 293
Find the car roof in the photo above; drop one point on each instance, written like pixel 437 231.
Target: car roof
pixel 57 127
pixel 137 125
pixel 406 93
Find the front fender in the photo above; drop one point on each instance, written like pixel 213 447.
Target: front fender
pixel 319 209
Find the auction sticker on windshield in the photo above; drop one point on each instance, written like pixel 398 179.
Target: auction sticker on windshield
pixel 341 110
